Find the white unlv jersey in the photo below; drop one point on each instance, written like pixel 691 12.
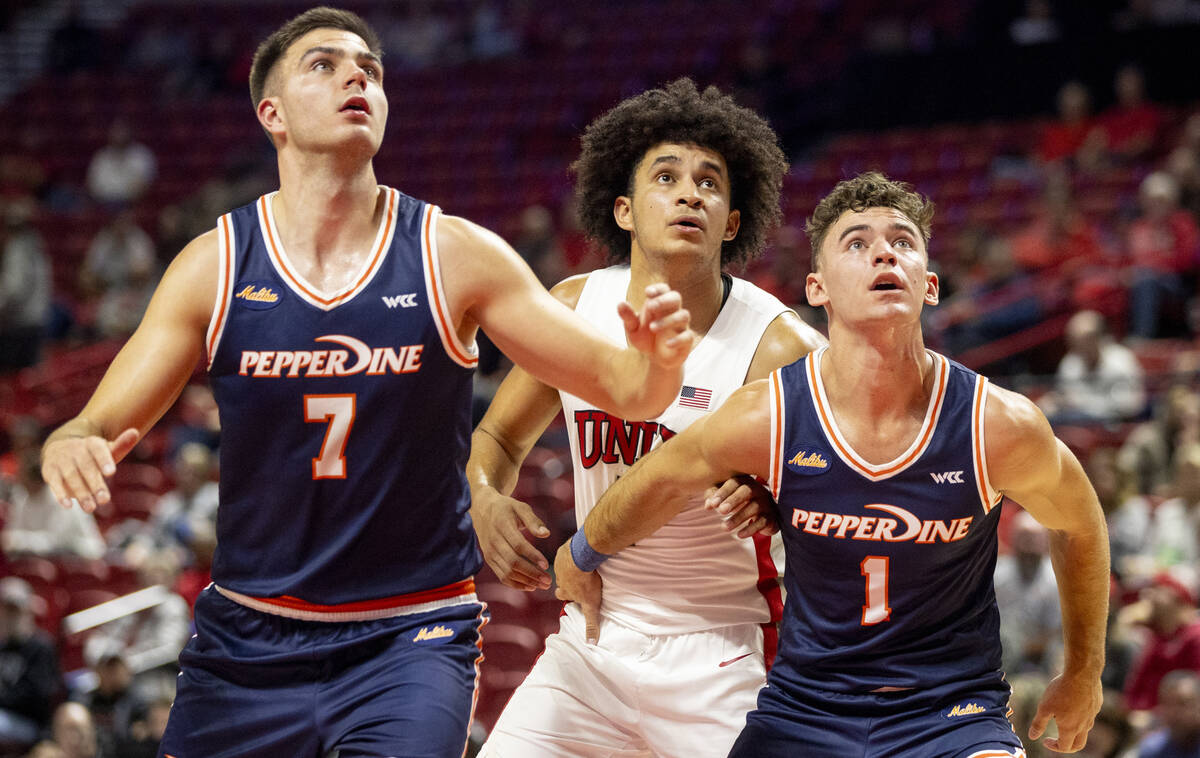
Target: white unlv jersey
pixel 691 574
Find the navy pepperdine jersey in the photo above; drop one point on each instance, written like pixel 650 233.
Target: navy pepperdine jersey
pixel 345 420
pixel 889 567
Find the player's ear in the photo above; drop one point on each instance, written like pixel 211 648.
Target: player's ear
pixel 814 289
pixel 931 288
pixel 270 115
pixel 623 212
pixel 732 224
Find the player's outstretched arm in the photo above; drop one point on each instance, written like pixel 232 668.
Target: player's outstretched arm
pixel 1030 465
pixel 733 439
pixel 141 384
pixel 489 286
pixel 520 411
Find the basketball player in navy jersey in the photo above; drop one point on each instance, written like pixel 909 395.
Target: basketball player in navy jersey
pixel 696 189
pixel 888 463
pixel 337 320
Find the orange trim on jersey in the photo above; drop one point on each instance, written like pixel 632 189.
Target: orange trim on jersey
pixel 478 673
pixel 981 478
pixel 368 271
pixel 776 434
pixel 445 325
pixel 465 587
pixel 997 754
pixel 847 454
pixel 223 283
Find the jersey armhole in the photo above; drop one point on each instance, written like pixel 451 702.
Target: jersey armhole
pixel 775 396
pixel 988 496
pixel 466 356
pixel 225 248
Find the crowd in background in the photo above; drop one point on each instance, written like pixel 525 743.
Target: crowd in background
pixel 1121 388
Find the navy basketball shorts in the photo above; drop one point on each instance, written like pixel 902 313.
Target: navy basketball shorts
pixel 257 684
pixel 952 721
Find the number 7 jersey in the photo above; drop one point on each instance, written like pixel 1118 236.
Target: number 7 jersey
pixel 888 566
pixel 345 421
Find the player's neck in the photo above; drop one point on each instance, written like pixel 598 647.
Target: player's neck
pixel 881 373
pixel 324 208
pixel 699 286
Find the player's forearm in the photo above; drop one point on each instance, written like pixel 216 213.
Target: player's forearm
pixel 646 497
pixel 80 426
pixel 491 465
pixel 1081 566
pixel 639 388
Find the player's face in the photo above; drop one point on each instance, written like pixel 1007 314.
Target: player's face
pixel 330 94
pixel 873 266
pixel 680 203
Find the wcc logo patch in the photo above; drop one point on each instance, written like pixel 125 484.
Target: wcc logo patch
pixel 809 460
pixel 257 296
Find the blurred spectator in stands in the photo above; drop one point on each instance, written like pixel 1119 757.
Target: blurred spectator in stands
pixel 199 420
pixel 417 34
pixel 121 308
pixel 74 45
pixel 1183 164
pixel 1126 511
pixel 1099 380
pixel 72 730
pixel 1149 450
pixel 1163 244
pixel 1036 26
pixel 146 731
pixel 997 299
pixel 1073 137
pixel 491 36
pixel 782 270
pixel 122 169
pixel 38 525
pixel 149 640
pixel 1111 734
pixel 1059 241
pixel 1027 596
pixel 1132 124
pixel 30 681
pixel 25 435
pixel 46 749
pixel 1167 608
pixel 184 520
pixel 1178 712
pixel 1175 534
pixel 22 174
pixel 113 703
pixel 537 243
pixel 119 250
pixel 25 287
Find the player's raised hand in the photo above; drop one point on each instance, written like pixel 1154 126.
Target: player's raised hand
pixel 501 524
pixel 582 587
pixel 662 328
pixel 744 505
pixel 76 468
pixel 1073 702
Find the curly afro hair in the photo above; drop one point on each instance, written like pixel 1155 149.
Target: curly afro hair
pixel 615 143
pixel 869 189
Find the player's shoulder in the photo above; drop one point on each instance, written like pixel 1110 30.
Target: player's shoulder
pixel 786 340
pixel 569 290
pixel 1016 431
pixel 456 232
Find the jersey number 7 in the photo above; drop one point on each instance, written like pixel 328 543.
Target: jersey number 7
pixel 338 412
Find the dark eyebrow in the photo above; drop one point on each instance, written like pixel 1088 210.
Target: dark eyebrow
pixel 710 165
pixel 895 226
pixel 338 52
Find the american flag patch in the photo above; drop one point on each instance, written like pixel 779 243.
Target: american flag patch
pixel 695 397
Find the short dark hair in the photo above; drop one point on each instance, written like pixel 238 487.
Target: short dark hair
pixel 614 144
pixel 867 190
pixel 274 46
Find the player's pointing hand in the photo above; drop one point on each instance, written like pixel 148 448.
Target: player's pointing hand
pixel 76 468
pixel 662 330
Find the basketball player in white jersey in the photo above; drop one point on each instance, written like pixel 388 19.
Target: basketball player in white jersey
pixel 680 661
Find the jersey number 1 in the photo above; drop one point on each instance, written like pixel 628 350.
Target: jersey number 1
pixel 338 412
pixel 876 610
